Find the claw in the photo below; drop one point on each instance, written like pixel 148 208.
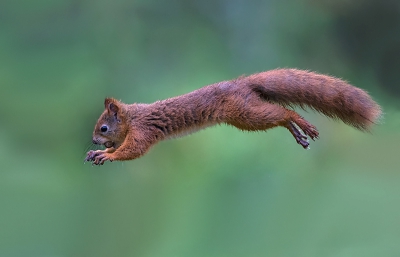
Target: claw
pixel 100 158
pixel 300 130
pixel 96 157
pixel 296 131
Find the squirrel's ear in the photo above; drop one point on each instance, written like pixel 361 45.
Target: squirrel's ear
pixel 111 105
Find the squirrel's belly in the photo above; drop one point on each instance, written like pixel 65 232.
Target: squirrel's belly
pixel 188 131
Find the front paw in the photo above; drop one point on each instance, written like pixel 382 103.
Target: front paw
pixel 101 158
pixel 98 157
pixel 92 154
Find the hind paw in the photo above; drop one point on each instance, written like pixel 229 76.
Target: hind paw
pixel 301 130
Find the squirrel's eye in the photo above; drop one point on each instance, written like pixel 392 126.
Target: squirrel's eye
pixel 104 128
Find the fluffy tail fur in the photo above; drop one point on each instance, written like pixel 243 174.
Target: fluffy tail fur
pixel 331 96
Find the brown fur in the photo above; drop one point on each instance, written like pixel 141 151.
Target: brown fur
pixel 256 102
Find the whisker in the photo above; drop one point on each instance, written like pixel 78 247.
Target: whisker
pixel 90 146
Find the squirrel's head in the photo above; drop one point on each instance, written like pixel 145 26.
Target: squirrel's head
pixel 111 128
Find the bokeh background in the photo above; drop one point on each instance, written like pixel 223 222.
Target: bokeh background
pixel 219 192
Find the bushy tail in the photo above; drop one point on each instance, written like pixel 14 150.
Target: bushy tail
pixel 331 96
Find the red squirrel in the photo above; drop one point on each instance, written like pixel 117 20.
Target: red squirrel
pixel 257 102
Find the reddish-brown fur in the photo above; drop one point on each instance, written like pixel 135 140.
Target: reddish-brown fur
pixel 256 102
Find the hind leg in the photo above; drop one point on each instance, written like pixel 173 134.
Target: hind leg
pixel 265 116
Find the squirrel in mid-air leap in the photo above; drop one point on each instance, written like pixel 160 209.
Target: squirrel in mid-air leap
pixel 256 102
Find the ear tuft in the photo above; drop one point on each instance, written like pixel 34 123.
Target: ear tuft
pixel 112 105
pixel 107 101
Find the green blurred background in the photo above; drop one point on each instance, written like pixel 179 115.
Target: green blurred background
pixel 219 192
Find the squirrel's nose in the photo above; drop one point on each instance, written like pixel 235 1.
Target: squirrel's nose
pixel 94 142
